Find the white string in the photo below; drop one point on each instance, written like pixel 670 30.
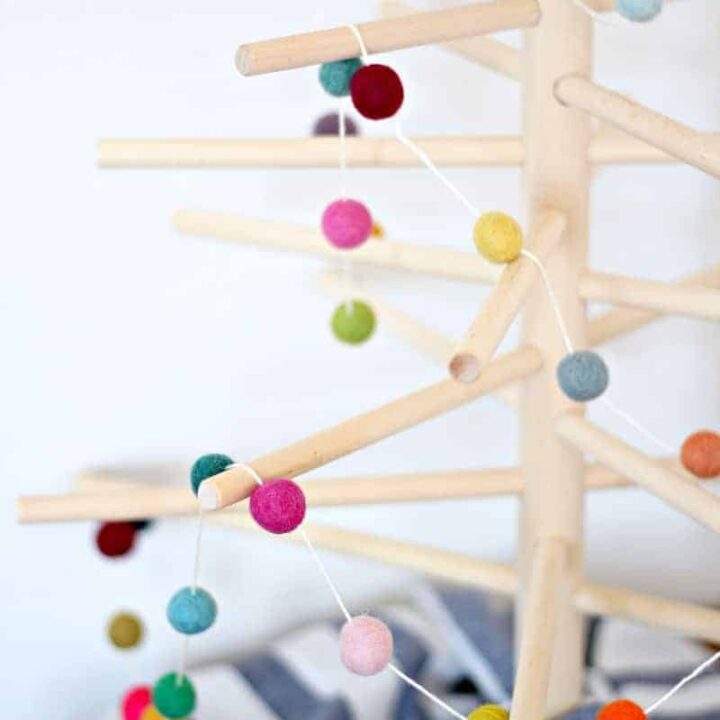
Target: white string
pixel 249 470
pixel 360 41
pixel 698 671
pixel 198 539
pixel 616 21
pixel 343 152
pixel 182 668
pixel 553 299
pixel 634 423
pixel 425 692
pixel 430 165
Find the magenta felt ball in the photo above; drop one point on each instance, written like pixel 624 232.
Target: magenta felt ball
pixel 366 645
pixel 135 701
pixel 346 224
pixel 278 506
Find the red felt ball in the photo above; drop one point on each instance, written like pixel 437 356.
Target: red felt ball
pixel 135 701
pixel 621 710
pixel 114 539
pixel 376 91
pixel 278 506
pixel 700 454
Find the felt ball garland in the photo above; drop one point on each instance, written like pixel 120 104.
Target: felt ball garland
pixel 135 701
pixel 639 10
pixel 125 630
pixel 174 696
pixel 115 539
pixel 376 91
pixel 278 506
pixel 583 375
pixel 329 124
pixel 621 710
pixel 346 224
pixel 366 645
pixel 489 712
pixel 191 610
pixel 206 466
pixel 498 237
pixel 335 76
pixel 700 454
pixel 353 322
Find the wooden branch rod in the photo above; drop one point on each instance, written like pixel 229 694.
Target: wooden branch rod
pixel 107 496
pixel 680 491
pixel 674 138
pixel 661 297
pixel 488 52
pixel 694 620
pixel 505 301
pixel 362 152
pixel 549 581
pixel 362 430
pixel 423 28
pixel 611 324
pixel 442 262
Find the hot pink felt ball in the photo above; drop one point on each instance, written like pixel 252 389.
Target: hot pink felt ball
pixel 278 506
pixel 366 645
pixel 135 701
pixel 346 224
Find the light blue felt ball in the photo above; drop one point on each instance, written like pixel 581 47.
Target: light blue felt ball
pixel 639 10
pixel 335 76
pixel 206 466
pixel 583 375
pixel 191 611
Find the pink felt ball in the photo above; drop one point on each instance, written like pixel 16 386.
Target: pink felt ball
pixel 346 224
pixel 366 645
pixel 278 506
pixel 135 701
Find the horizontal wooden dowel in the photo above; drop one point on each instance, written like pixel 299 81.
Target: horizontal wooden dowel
pixel 674 138
pixel 488 52
pixel 611 324
pixel 695 621
pixel 549 580
pixel 680 491
pixel 506 299
pixel 362 430
pixel 654 295
pixel 456 264
pixel 422 28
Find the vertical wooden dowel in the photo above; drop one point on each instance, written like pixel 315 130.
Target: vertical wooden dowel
pixel 556 175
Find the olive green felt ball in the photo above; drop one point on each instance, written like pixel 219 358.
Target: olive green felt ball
pixel 335 76
pixel 353 322
pixel 125 630
pixel 206 466
pixel 173 697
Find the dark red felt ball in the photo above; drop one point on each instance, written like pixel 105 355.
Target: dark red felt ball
pixel 114 539
pixel 376 91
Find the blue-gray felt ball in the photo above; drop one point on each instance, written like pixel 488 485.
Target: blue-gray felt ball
pixel 335 76
pixel 583 375
pixel 191 611
pixel 206 466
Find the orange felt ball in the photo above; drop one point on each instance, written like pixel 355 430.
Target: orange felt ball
pixel 700 454
pixel 622 710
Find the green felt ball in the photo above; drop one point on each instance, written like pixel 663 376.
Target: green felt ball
pixel 206 466
pixel 353 322
pixel 335 76
pixel 174 696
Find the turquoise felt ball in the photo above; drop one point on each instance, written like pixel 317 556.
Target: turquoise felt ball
pixel 583 375
pixel 335 76
pixel 191 610
pixel 639 10
pixel 206 466
pixel 353 322
pixel 173 696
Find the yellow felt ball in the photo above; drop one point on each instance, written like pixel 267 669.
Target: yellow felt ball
pixel 489 712
pixel 151 713
pixel 125 630
pixel 498 237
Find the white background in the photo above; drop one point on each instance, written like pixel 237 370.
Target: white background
pixel 124 342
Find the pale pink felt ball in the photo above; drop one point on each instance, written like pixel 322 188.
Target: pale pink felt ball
pixel 366 645
pixel 346 224
pixel 278 506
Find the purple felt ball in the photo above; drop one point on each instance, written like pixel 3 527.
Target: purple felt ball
pixel 278 506
pixel 329 124
pixel 366 645
pixel 346 224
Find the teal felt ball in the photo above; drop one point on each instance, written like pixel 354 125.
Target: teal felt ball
pixel 353 323
pixel 174 696
pixel 335 76
pixel 191 610
pixel 639 10
pixel 206 466
pixel 583 375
